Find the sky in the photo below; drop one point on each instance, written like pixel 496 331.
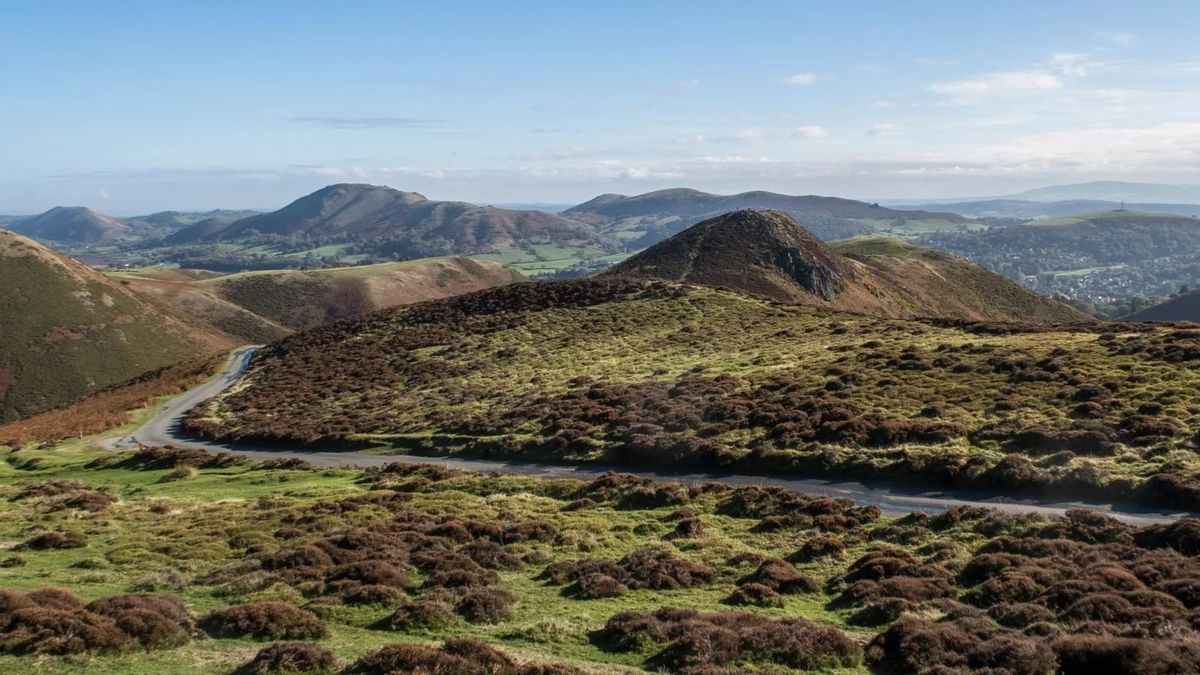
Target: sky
pixel 130 107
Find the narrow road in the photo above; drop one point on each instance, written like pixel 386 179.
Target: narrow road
pixel 893 498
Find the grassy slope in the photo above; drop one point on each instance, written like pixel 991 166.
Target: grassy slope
pixel 497 380
pixel 306 299
pixel 68 330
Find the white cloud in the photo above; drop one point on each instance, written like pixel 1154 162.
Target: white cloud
pixel 883 103
pixel 882 128
pixel 801 79
pixel 1005 83
pixel 1073 64
pixel 103 194
pixel 811 132
pixel 690 83
pixel 749 135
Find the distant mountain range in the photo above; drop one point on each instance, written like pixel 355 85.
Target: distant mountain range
pixel 391 222
pixel 646 219
pixel 80 226
pixel 1019 209
pixel 1115 191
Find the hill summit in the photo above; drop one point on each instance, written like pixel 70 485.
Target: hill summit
pixel 767 254
pixel 406 224
pixel 759 252
pixel 71 225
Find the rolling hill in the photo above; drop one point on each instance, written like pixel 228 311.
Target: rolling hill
pixel 618 370
pixel 391 222
pixel 768 254
pixel 1100 256
pixel 73 225
pixel 1115 191
pixel 69 330
pixel 646 219
pixel 256 307
pixel 1023 209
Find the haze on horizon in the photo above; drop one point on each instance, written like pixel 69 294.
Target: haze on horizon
pixel 151 106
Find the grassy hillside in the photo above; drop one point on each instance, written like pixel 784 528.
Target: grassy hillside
pixel 68 330
pixel 616 370
pixel 768 254
pixel 193 563
pixel 306 299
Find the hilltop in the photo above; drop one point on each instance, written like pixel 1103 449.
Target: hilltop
pixel 392 222
pixel 76 225
pixel 768 254
pixel 646 219
pixel 69 330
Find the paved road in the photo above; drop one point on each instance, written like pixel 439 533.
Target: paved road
pixel 892 498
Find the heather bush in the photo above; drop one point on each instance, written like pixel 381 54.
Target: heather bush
pixel 264 621
pixel 289 657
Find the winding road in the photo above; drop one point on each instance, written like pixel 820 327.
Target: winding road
pixel 164 428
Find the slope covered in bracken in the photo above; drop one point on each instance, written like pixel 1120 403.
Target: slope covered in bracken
pixel 68 330
pixel 766 253
pixel 622 370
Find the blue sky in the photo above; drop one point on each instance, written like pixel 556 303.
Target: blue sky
pixel 136 106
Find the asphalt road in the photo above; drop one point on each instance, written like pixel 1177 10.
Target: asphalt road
pixel 892 498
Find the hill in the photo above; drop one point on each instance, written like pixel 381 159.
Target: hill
pixel 1023 209
pixel 646 219
pixel 768 254
pixel 258 307
pixel 301 300
pixel 616 370
pixel 1182 307
pixel 69 330
pixel 389 222
pixel 72 225
pixel 1097 256
pixel 1115 191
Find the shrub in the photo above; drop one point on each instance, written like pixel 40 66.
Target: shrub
pixel 688 528
pixel 818 547
pixel 597 585
pixel 692 639
pixel 264 621
pixel 372 572
pixel 55 540
pixel 38 630
pixel 52 597
pixel 289 657
pixel 420 615
pixel 659 570
pixel 459 656
pixel 175 622
pixel 1107 655
pixel 912 644
pixel 780 576
pixel 486 605
pixel 370 594
pixel 754 594
pixel 1019 614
